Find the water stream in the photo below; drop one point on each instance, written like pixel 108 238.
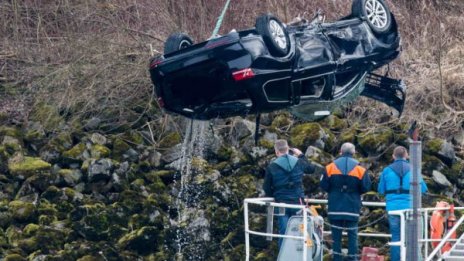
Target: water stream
pixel 192 230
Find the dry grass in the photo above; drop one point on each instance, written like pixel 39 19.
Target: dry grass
pixel 89 57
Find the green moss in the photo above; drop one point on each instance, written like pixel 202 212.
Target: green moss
pixel 225 153
pixel 334 123
pixel 305 134
pixel 134 137
pixel 11 145
pixel 348 135
pixel 46 220
pixel 28 166
pixel 89 258
pixel 156 183
pixel 30 229
pixel 47 115
pixel 170 140
pixel 119 148
pixel 99 151
pixel 61 142
pixel 434 145
pixel 266 144
pixel 75 152
pixel 10 131
pixel 21 211
pixel 199 164
pixel 281 121
pixel 141 240
pixel 376 141
pixel 14 257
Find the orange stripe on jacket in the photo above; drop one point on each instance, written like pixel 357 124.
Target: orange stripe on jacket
pixel 357 171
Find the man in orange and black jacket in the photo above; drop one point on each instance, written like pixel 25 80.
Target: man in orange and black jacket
pixel 345 180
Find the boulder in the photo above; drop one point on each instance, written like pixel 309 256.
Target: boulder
pixel 21 211
pixel 99 139
pixel 142 240
pixel 241 128
pixel 439 178
pixel 100 170
pixel 24 167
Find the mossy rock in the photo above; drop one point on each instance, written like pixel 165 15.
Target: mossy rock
pixel 62 142
pixel 334 123
pixel 348 135
pixel 29 244
pixel 47 115
pixel 10 131
pixel 14 257
pixel 12 145
pixel 303 135
pixel 70 177
pixel 199 164
pixel 28 166
pixel 225 153
pixel 376 141
pixel 30 230
pixel 266 144
pixel 433 146
pixel 99 151
pixel 281 121
pixel 142 240
pixel 119 148
pixel 156 184
pixel 46 208
pixel 76 152
pixel 170 140
pixel 91 258
pixel 21 211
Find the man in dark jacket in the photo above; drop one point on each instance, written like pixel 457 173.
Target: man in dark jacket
pixel 283 180
pixel 345 180
pixel 394 184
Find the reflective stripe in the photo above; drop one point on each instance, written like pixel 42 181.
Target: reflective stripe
pixel 357 171
pixel 332 169
pixel 343 213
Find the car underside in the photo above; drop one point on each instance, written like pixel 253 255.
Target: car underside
pixel 310 68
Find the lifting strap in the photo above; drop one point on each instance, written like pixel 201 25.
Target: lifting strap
pixel 220 18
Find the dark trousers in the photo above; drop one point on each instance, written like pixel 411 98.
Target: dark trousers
pixel 352 230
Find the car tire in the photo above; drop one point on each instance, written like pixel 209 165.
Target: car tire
pixel 176 42
pixel 274 34
pixel 376 13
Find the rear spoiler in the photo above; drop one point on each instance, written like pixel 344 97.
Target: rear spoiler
pixel 387 90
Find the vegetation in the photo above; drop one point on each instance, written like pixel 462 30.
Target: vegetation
pixel 92 169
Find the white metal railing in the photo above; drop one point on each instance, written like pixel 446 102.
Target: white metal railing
pixel 401 213
pixel 270 202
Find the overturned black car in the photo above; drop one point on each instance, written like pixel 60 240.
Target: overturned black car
pixel 309 67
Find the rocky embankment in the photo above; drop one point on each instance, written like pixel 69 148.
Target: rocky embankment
pixel 75 192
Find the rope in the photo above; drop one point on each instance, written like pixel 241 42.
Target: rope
pixel 220 18
pixel 359 227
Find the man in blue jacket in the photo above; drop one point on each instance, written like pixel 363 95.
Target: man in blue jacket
pixel 345 180
pixel 394 184
pixel 283 180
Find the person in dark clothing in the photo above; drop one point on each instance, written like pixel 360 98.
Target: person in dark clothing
pixel 283 180
pixel 345 180
pixel 394 184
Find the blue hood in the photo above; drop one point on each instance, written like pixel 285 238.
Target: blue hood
pixel 287 162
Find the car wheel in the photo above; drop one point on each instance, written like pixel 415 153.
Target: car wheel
pixel 274 34
pixel 176 42
pixel 376 13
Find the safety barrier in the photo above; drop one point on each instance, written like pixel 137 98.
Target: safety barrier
pixel 269 202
